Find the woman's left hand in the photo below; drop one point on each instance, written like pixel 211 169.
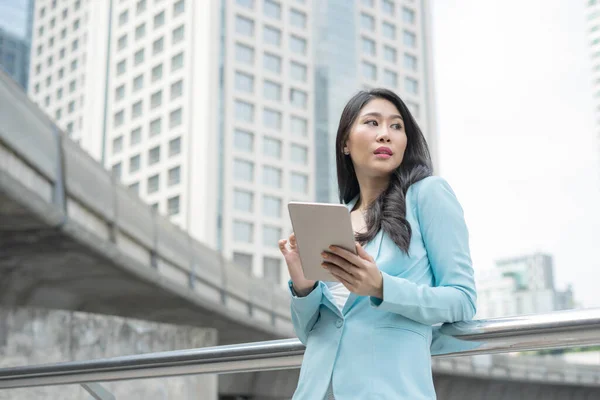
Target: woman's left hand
pixel 357 272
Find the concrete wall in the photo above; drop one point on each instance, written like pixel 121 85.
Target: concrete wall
pixel 35 336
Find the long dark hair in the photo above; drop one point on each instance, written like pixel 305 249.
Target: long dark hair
pixel 388 211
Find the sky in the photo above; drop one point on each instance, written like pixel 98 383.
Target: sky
pixel 12 16
pixel 518 140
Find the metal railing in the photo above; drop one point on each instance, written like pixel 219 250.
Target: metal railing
pixel 533 332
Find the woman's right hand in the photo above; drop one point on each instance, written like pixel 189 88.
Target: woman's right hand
pixel 289 249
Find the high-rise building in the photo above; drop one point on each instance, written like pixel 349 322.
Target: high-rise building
pixel 16 20
pixel 593 30
pixel 207 108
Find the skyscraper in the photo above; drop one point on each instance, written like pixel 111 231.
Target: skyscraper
pixel 207 108
pixel 593 29
pixel 16 19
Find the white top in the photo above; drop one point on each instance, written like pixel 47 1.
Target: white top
pixel 340 294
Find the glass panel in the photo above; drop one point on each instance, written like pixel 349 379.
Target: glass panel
pixel 243 140
pixel 243 200
pixel 243 170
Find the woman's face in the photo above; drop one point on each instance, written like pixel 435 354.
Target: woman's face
pixel 377 139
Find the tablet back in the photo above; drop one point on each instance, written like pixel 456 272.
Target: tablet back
pixel 317 226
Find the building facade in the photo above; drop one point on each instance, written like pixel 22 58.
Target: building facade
pixel 220 112
pixel 16 23
pixel 593 36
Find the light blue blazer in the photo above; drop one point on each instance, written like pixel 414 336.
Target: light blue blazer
pixel 380 349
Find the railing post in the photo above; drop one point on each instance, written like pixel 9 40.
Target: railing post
pixel 97 391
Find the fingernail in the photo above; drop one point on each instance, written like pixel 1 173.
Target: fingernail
pixel 324 255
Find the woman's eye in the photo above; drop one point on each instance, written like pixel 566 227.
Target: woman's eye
pixel 397 126
pixel 371 122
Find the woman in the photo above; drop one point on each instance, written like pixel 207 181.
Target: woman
pixel 368 336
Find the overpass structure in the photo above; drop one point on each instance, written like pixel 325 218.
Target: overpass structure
pixel 72 238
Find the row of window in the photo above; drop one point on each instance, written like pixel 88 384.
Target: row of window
pixel 390 78
pixel 173 202
pixel 177 35
pixel 153 182
pixel 243 171
pixel 244 141
pixel 243 232
pixel 388 30
pixel 245 54
pixel 137 109
pixel 156 98
pixel 74 46
pixel 271 35
pixel 389 8
pixel 271 266
pixel 63 32
pixel 243 200
pixel 76 6
pixel 272 119
pixel 159 18
pixel 244 83
pixel 138 58
pixel 369 47
pixel 272 9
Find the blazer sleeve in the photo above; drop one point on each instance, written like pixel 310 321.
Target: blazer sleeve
pixel 445 235
pixel 305 310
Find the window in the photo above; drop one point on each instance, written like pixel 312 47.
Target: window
pixel 299 154
pixel 272 147
pixel 390 78
pixel 272 269
pixel 243 140
pixel 244 26
pixel 272 177
pixel 157 73
pixel 243 232
pixel 174 147
pixel 61 73
pixel 243 170
pixel 136 109
pixel 61 54
pixel 408 15
pixel 117 145
pixel 155 127
pixel 138 83
pixel 156 99
pixel 298 72
pixel 176 89
pixel 299 182
pixel 272 206
pixel 70 128
pixel 299 126
pixel 244 54
pixel 244 261
pixel 271 236
pixel 389 54
pixel 175 118
pixel 272 63
pixel 297 45
pixel 153 184
pixel 71 107
pixel 368 46
pixel 176 62
pixel 410 62
pixel 388 7
pixel 174 175
pixel 73 65
pixel 121 67
pixel 140 7
pixel 178 8
pixel 244 111
pixel 122 42
pixel 244 82
pixel 123 17
pixel 140 31
pixel 389 30
pixel 243 200
pixel 177 35
pixel 47 101
pixel 154 155
pixel 59 93
pixel 367 3
pixel 117 171
pixel 134 163
pixel 159 19
pixel 409 39
pixel 272 119
pixel 58 114
pixel 272 9
pixel 272 91
pixel 173 205
pixel 298 19
pixel 272 36
pixel 369 71
pixel 135 136
pixel 118 118
pixel 158 46
pixel 367 22
pixel 246 3
pixel 411 85
pixel 48 81
pixel 120 93
pixel 138 57
pixel 298 98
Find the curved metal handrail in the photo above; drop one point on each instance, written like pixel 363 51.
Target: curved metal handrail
pixel 532 332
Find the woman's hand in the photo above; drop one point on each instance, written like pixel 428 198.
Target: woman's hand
pixel 302 286
pixel 357 272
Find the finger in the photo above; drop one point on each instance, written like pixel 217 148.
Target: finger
pixel 293 240
pixel 346 255
pixel 362 253
pixel 282 246
pixel 339 273
pixel 339 261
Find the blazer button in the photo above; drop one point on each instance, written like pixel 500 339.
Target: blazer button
pixel 339 323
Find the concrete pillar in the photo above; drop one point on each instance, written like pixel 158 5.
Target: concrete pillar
pixel 37 336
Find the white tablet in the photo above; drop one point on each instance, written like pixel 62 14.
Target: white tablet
pixel 318 226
